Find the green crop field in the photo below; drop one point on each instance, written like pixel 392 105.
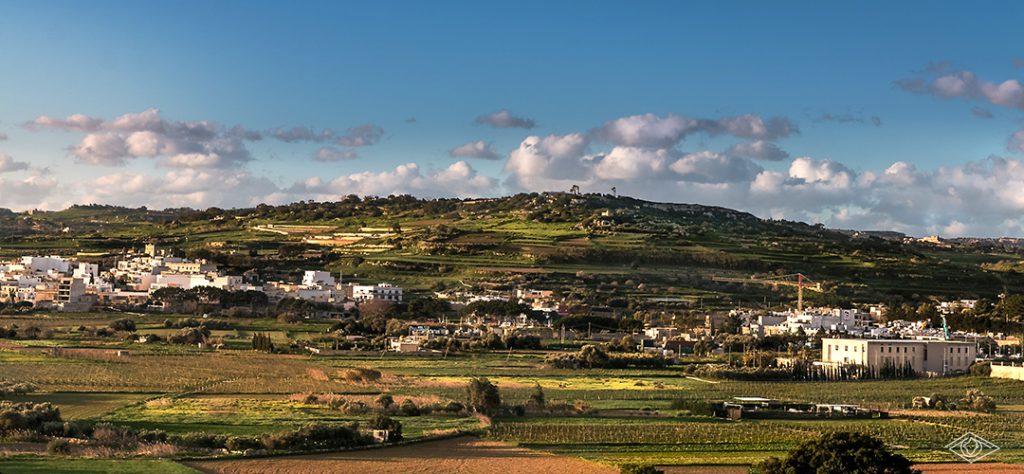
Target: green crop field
pixel 610 416
pixel 638 262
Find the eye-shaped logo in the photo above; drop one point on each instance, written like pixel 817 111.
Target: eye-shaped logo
pixel 971 447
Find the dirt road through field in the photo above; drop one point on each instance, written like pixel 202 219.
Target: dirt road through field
pixel 464 455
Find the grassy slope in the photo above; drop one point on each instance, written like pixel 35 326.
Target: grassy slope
pixel 552 236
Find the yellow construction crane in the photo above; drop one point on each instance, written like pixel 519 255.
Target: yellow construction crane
pixel 799 280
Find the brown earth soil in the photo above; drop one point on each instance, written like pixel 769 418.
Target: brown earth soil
pixel 965 468
pixel 463 455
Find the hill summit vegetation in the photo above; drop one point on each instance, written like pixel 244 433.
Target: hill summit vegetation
pixel 617 246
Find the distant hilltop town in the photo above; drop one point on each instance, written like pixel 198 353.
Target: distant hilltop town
pixel 145 279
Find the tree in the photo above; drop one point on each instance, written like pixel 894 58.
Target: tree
pixel 385 402
pixel 374 315
pixel 483 396
pixel 537 397
pixel 838 453
pixel 123 325
pixel 383 422
pixel 1012 307
pixel 593 356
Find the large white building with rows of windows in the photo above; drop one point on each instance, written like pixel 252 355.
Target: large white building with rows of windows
pixel 931 357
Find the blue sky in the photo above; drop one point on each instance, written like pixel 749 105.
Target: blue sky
pixel 829 70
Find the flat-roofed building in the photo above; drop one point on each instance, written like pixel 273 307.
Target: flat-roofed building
pixel 381 291
pixel 932 357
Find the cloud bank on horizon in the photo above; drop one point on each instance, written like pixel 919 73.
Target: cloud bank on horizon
pixel 413 109
pixel 202 163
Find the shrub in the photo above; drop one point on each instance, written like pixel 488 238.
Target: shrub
pixel 381 422
pixel 355 408
pixel 838 453
pixel 117 437
pixel 483 396
pixel 58 446
pixel 123 325
pixel 315 436
pixel 409 408
pixel 15 388
pixel 981 369
pixel 384 402
pixel 190 336
pixel 361 375
pixel 975 400
pixel 592 356
pixel 453 407
pixel 200 440
pixel 243 443
pixel 537 397
pixel 26 416
pixel 694 406
pixel 639 469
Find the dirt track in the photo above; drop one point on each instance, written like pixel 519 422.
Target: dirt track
pixel 964 468
pixel 464 455
pixel 468 455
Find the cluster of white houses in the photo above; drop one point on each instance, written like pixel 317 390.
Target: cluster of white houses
pixel 69 285
pixel 66 284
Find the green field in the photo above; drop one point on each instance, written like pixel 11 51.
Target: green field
pixel 626 414
pixel 92 466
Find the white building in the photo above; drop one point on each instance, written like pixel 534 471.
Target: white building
pixel 317 278
pixel 381 291
pixel 932 357
pixel 46 264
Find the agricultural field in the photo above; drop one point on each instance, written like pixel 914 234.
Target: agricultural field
pixel 461 456
pixel 599 417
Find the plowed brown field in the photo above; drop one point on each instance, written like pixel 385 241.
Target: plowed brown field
pixel 465 455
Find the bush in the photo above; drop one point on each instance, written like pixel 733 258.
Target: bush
pixel 190 336
pixel 361 375
pixel 537 397
pixel 123 325
pixel 15 388
pixel 838 453
pixel 384 402
pixel 639 469
pixel 591 356
pixel 26 416
pixel 483 396
pixel 381 422
pixel 409 408
pixel 66 429
pixel 453 407
pixel 200 440
pixel 975 400
pixel 981 369
pixel 315 436
pixel 694 406
pixel 243 443
pixel 58 446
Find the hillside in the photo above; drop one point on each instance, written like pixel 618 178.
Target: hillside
pixel 607 250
